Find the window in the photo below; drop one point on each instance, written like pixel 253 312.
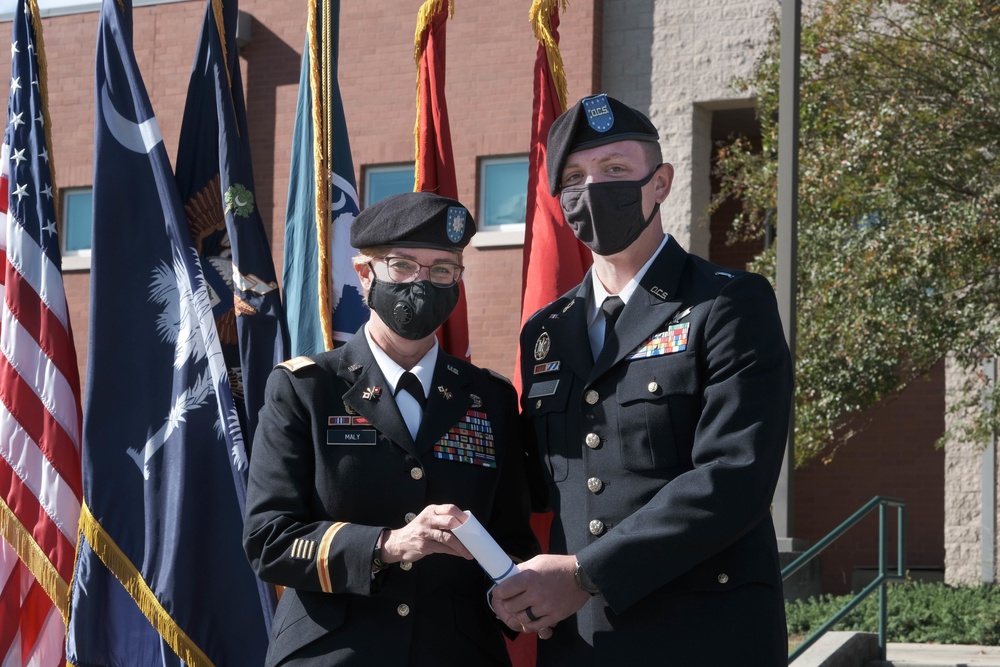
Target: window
pixel 384 180
pixel 77 222
pixel 503 197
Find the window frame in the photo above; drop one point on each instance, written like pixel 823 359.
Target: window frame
pixel 503 235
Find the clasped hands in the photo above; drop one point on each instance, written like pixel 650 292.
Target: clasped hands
pixel 543 593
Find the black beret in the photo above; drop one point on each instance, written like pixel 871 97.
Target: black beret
pixel 414 220
pixel 593 121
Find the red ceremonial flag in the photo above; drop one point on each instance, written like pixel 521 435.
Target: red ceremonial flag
pixel 554 261
pixel 40 418
pixel 435 165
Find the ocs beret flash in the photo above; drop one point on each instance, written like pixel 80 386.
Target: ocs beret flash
pixel 414 220
pixel 593 121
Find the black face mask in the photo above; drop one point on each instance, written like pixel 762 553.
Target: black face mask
pixel 413 310
pixel 607 217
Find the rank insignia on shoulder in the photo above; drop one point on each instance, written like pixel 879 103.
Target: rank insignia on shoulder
pixel 542 346
pixel 724 273
pixel 546 368
pixel 297 363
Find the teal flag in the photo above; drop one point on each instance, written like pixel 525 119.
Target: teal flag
pixel 301 274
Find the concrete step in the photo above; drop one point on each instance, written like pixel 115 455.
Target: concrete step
pixel 938 655
pixel 860 649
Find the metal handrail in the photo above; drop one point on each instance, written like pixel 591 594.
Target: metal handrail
pixel 880 582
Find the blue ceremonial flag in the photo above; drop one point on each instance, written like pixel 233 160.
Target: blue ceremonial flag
pixel 160 576
pixel 318 266
pixel 215 178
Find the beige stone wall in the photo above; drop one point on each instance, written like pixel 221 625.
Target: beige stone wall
pixel 677 59
pixel 963 491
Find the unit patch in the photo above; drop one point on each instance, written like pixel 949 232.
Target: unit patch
pixel 469 441
pixel 674 339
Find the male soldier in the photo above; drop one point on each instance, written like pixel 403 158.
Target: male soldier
pixel 659 392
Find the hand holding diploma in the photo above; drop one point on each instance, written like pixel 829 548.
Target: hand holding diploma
pixel 494 560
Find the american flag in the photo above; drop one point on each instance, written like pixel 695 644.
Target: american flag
pixel 40 479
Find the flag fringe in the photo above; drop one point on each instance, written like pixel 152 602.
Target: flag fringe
pixel 540 16
pixel 27 549
pixel 428 10
pixel 424 17
pixel 43 91
pixel 317 76
pixel 125 572
pixel 220 26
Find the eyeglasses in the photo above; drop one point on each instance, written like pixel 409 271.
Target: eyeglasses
pixel 403 270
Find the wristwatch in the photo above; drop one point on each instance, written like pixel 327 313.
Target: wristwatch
pixel 583 581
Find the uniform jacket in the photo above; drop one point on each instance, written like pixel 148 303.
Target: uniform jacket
pixel 332 464
pixel 661 459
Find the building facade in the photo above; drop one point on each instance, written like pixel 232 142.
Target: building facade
pixel 675 59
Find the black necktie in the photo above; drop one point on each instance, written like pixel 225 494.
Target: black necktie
pixel 409 382
pixel 612 308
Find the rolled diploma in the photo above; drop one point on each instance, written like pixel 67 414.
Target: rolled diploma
pixel 485 549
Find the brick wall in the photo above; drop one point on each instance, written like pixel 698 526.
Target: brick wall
pixel 658 56
pixel 491 53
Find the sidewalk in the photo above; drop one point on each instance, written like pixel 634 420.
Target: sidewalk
pixel 933 655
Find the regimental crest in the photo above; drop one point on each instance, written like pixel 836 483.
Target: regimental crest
pixel 598 111
pixel 239 200
pixel 542 346
pixel 477 402
pixel 456 223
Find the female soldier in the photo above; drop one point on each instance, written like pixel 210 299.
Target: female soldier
pixel 355 483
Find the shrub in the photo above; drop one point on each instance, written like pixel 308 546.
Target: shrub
pixel 917 613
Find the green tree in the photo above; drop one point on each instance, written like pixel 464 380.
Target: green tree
pixel 899 242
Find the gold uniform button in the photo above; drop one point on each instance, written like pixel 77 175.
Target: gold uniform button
pixel 593 440
pixel 405 566
pixel 417 473
pixel 410 516
pixel 591 397
pixel 595 484
pixel 723 578
pixel 653 387
pixel 403 610
pixel 596 527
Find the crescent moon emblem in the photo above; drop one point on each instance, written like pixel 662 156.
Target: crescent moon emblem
pixel 340 203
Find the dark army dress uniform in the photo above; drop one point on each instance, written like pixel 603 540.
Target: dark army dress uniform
pixel 333 463
pixel 661 459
